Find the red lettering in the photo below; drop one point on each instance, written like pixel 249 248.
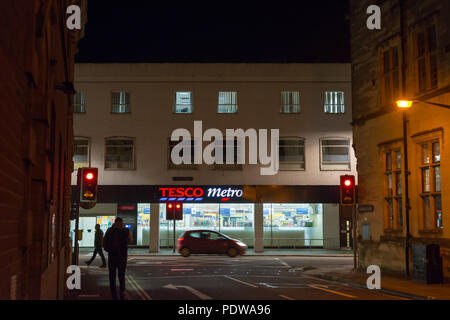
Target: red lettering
pixel 189 192
pixel 198 192
pixel 172 192
pixel 163 191
pixel 180 192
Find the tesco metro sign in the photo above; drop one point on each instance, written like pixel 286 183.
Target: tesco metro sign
pixel 197 194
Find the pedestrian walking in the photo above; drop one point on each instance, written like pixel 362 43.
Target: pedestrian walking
pixel 98 244
pixel 116 242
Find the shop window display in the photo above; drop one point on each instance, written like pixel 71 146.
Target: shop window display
pixel 234 220
pixel 292 225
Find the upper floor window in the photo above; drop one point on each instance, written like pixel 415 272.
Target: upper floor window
pixel 426 58
pixel 79 102
pixel 390 75
pixel 334 102
pixel 290 102
pixel 393 189
pixel 292 154
pixel 183 102
pixel 119 153
pixel 227 102
pixel 430 195
pixel 81 154
pixel 335 154
pixel 183 146
pixel 120 102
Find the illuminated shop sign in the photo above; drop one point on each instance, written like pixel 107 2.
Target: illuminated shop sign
pixel 200 194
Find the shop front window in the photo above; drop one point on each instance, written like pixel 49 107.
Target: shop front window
pixel 291 225
pixel 143 224
pixel 234 220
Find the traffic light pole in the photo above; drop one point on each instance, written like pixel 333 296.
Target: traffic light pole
pixel 77 222
pixel 355 235
pixel 174 233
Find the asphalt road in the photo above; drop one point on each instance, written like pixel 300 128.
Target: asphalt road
pixel 205 277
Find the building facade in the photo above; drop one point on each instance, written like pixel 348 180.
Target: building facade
pixel 128 112
pixel 409 57
pixel 37 62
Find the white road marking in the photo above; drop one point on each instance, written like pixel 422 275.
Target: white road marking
pixel 181 269
pixel 283 262
pixel 240 281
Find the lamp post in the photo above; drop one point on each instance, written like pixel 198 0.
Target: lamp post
pixel 405 104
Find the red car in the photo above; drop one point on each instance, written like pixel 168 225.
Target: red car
pixel 209 242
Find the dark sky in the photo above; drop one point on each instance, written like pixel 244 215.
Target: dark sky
pixel 216 31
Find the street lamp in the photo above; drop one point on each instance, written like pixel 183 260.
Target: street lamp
pixel 405 104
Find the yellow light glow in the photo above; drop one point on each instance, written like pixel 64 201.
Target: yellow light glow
pixel 404 103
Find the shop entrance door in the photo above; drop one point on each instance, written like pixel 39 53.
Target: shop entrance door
pixel 345 227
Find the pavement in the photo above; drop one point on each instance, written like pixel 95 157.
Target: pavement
pixel 312 265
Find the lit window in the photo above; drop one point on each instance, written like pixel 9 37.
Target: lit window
pixel 79 102
pixel 183 102
pixel 335 154
pixel 334 102
pixel 120 102
pixel 119 153
pixel 393 189
pixel 227 102
pixel 290 102
pixel 430 170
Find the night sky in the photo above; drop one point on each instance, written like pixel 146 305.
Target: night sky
pixel 216 31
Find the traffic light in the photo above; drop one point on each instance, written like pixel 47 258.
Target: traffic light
pixel 89 179
pixel 347 190
pixel 174 211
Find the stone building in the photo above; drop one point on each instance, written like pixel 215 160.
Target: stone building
pixel 409 57
pixel 37 64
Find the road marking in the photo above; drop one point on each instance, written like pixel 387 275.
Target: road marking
pixel 135 288
pixel 283 262
pixel 286 297
pixel 88 295
pixel 267 285
pixel 139 288
pixel 191 290
pixel 331 291
pixel 240 281
pixel 181 269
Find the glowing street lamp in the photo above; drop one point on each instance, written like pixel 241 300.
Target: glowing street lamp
pixel 404 103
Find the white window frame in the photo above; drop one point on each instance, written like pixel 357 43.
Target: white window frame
pixel 227 100
pixel 79 102
pixel 290 102
pixel 335 165
pixel 334 102
pixel 293 166
pixel 123 106
pixel 133 161
pixel 189 105
pixel 76 164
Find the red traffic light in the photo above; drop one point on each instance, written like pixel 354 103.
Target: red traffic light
pixel 347 190
pixel 178 206
pixel 89 176
pixel 170 206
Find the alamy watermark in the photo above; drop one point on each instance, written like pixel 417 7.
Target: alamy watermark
pixel 233 141
pixel 374 281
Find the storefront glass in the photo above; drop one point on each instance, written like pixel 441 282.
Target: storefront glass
pixel 143 224
pixel 232 219
pixel 292 225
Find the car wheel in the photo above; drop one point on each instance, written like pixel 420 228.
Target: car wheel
pixel 232 252
pixel 185 252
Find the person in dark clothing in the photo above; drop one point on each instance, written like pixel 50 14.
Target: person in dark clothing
pixel 116 242
pixel 98 244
